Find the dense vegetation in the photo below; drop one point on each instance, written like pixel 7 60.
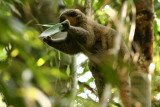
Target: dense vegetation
pixel 34 75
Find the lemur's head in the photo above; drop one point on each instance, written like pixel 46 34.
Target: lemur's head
pixel 75 16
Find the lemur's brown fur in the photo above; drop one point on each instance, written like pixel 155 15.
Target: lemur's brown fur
pixel 94 40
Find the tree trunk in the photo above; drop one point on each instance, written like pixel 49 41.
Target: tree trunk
pixel 143 48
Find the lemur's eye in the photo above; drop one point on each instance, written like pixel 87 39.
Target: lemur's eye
pixel 72 14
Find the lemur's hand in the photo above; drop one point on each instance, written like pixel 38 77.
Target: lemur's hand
pixel 66 25
pixel 47 39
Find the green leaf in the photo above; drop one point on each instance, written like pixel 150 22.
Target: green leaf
pixel 47 25
pixel 52 30
pixel 98 4
pixel 109 74
pixel 3 54
pixel 68 70
pixel 58 74
pixel 14 9
pixel 69 2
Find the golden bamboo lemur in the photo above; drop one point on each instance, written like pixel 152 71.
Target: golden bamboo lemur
pixel 94 40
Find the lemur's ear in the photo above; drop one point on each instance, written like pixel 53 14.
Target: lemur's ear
pixel 79 15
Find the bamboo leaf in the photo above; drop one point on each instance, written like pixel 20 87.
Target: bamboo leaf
pixel 47 25
pixel 52 30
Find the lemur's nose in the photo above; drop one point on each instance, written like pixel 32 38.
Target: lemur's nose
pixel 62 18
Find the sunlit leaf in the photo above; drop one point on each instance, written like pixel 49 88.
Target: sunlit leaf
pixel 15 52
pixel 40 62
pixel 52 30
pixel 3 54
pixel 46 25
pixel 35 94
pixel 2 103
pixel 57 73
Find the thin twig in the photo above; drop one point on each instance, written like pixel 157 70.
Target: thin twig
pixel 106 95
pixel 87 86
pixel 88 8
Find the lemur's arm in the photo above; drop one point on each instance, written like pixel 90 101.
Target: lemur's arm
pixel 80 34
pixel 70 44
pixel 66 45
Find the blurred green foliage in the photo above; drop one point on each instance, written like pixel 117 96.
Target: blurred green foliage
pixel 34 75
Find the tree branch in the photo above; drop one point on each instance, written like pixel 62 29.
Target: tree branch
pixel 88 9
pixel 87 86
